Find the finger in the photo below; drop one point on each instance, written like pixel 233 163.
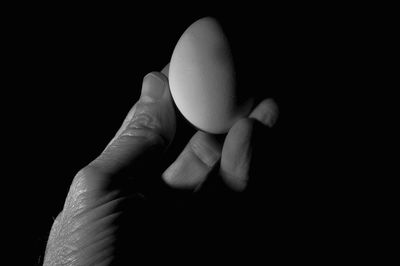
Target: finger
pixel 238 146
pixel 266 112
pixel 165 70
pixel 195 162
pixel 128 118
pixel 148 128
pixel 236 155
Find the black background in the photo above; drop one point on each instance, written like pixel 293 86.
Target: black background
pixel 75 71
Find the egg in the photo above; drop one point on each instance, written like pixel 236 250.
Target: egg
pixel 203 81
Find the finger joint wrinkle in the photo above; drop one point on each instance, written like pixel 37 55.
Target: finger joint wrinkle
pixel 204 153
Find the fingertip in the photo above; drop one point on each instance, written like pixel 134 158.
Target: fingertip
pixel 266 112
pixel 153 87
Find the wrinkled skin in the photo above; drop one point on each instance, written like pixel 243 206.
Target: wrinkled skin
pixel 126 203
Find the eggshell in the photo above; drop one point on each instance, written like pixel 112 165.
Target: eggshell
pixel 202 78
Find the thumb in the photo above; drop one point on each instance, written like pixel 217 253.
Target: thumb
pixel 146 132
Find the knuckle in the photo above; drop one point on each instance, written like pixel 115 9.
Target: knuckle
pixel 148 135
pixel 86 181
pixel 245 123
pixel 79 182
pixel 242 129
pixel 84 190
pixel 144 119
pixel 146 126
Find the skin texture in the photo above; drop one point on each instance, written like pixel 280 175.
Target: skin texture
pixel 101 224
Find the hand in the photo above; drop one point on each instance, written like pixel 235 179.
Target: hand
pixel 107 210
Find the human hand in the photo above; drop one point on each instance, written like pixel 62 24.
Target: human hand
pixel 107 206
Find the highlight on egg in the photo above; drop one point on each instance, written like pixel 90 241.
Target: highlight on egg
pixel 203 80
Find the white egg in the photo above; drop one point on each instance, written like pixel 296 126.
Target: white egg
pixel 202 78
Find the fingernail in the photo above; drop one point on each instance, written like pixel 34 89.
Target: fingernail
pixel 153 87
